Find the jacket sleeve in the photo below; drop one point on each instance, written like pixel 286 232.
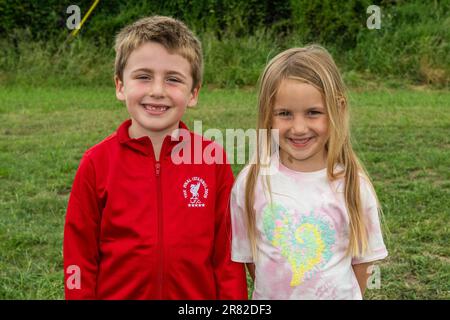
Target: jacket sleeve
pixel 81 234
pixel 231 282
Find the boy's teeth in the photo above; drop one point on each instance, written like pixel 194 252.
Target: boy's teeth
pixel 155 108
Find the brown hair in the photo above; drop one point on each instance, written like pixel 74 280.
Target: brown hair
pixel 173 34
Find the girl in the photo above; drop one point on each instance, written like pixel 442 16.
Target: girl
pixel 307 228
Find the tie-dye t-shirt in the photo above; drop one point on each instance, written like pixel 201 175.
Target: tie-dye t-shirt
pixel 304 236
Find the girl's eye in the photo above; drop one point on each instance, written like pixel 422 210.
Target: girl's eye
pixel 314 113
pixel 143 77
pixel 282 114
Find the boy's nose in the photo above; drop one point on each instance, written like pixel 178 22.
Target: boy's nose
pixel 156 90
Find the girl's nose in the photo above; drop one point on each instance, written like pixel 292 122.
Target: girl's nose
pixel 299 126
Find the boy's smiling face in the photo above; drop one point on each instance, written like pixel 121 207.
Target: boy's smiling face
pixel 157 89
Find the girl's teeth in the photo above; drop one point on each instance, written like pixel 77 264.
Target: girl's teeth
pixel 300 140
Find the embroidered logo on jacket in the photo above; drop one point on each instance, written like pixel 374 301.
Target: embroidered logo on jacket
pixel 195 190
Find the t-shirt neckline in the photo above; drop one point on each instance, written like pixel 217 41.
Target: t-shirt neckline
pixel 302 174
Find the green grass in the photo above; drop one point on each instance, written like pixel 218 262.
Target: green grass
pixel 402 136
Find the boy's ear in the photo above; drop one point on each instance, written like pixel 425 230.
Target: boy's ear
pixel 194 97
pixel 119 89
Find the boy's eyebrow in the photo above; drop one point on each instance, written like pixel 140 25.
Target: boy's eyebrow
pixel 151 71
pixel 142 69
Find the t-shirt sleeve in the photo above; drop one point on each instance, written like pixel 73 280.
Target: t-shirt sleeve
pixel 376 247
pixel 240 248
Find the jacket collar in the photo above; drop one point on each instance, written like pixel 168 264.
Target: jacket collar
pixel 144 144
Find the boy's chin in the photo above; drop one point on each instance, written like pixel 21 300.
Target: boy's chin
pixel 154 128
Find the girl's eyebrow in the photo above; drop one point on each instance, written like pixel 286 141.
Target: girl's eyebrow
pixel 307 109
pixel 276 110
pixel 316 108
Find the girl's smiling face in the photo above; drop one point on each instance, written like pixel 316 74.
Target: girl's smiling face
pixel 300 115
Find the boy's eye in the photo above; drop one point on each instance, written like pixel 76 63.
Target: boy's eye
pixel 143 77
pixel 173 79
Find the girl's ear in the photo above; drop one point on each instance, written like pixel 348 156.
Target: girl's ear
pixel 119 89
pixel 341 102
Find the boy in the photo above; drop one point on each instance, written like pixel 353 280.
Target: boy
pixel 138 225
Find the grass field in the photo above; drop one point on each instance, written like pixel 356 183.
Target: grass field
pixel 402 136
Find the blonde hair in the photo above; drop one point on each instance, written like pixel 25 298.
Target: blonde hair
pixel 174 35
pixel 315 66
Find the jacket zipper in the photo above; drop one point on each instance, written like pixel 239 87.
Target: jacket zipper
pixel 160 230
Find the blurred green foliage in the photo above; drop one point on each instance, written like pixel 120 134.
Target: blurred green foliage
pixel 238 37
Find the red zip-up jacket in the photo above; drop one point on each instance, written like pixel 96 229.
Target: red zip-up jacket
pixel 137 228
